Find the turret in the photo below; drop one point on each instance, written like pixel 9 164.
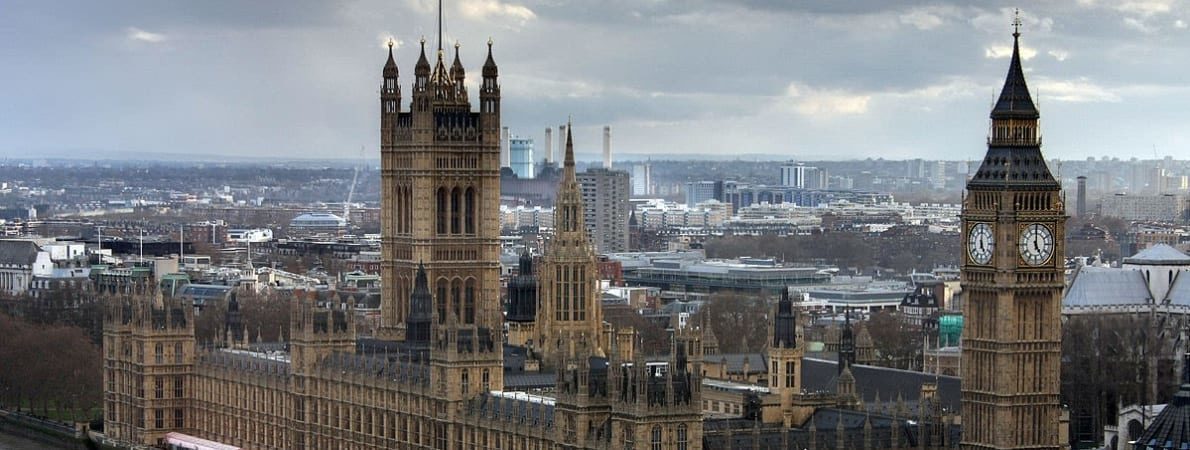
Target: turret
pixel 846 343
pixel 489 94
pixel 421 311
pixel 390 99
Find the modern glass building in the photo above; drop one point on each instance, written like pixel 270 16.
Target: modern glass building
pixel 521 156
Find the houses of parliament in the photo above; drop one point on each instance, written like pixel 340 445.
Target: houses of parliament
pixel 435 377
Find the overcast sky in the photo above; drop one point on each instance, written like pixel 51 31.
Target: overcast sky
pixel 802 79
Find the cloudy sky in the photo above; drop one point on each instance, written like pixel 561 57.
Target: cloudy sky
pixel 801 79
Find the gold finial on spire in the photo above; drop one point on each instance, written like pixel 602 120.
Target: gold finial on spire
pixel 1016 22
pixel 391 43
pixel 490 41
pixel 423 40
pixel 456 45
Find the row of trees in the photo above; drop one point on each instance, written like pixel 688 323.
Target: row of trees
pixel 264 315
pixel 900 252
pixel 49 370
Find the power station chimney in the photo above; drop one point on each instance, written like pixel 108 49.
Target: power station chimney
pixel 549 145
pixel 505 149
pixel 1081 205
pixel 607 147
pixel 561 139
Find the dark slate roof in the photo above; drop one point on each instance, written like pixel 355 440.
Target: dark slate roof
pixel 1015 101
pixel 1160 254
pixel 532 410
pixel 887 384
pixel 1179 293
pixel 1171 428
pixel 1017 165
pixel 735 361
pixel 525 381
pixel 1103 286
pixel 17 252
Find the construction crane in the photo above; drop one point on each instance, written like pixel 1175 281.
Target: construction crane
pixel 351 192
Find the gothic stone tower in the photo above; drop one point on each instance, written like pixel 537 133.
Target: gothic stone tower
pixel 570 309
pixel 1013 220
pixel 785 359
pixel 149 345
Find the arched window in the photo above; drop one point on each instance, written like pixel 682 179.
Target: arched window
pixel 487 380
pixel 682 438
pixel 469 302
pixel 456 300
pixel 629 440
pixel 465 381
pixel 470 213
pixel 655 438
pixel 441 300
pixel 455 199
pixel 441 220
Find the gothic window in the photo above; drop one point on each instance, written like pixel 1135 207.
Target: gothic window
pixel 790 371
pixel 178 387
pixel 178 353
pixel 470 213
pixel 159 418
pixel 158 353
pixel 682 438
pixel 487 382
pixel 580 297
pixel 455 199
pixel 469 301
pixel 465 381
pixel 655 438
pixel 629 441
pixel 441 219
pixel 456 302
pixel 179 418
pixel 441 300
pixel 159 388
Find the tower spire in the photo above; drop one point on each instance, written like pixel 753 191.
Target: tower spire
pixel 439 26
pixel 1015 100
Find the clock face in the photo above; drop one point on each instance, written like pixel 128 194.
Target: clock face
pixel 1037 244
pixel 980 243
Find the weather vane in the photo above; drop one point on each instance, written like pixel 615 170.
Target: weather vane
pixel 1016 21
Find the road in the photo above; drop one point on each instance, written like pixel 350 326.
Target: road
pixel 10 442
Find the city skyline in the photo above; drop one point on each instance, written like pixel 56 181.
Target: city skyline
pixel 849 80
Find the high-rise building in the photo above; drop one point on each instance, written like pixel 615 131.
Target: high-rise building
pixel 605 200
pixel 701 191
pixel 1013 224
pixel 642 179
pixel 521 152
pixel 801 176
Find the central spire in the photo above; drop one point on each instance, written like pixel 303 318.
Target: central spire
pixel 1015 101
pixel 439 26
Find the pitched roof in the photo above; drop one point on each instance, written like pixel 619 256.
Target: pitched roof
pixel 1171 428
pixel 1104 286
pixel 1160 254
pixel 17 252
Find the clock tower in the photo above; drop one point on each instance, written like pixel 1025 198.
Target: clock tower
pixel 1013 261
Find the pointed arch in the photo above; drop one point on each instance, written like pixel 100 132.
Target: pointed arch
pixel 455 213
pixel 440 299
pixel 469 301
pixel 470 210
pixel 442 208
pixel 456 297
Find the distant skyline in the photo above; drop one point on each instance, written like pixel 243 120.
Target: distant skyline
pixel 802 80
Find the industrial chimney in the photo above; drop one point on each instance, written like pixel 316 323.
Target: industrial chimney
pixel 607 147
pixel 505 149
pixel 549 145
pixel 1081 206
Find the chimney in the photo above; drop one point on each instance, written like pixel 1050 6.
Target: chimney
pixel 549 145
pixel 1081 205
pixel 505 149
pixel 562 140
pixel 607 147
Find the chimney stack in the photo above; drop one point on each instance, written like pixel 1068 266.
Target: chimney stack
pixel 561 140
pixel 549 145
pixel 607 147
pixel 1081 205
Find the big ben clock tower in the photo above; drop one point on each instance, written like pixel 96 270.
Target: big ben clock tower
pixel 1012 228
